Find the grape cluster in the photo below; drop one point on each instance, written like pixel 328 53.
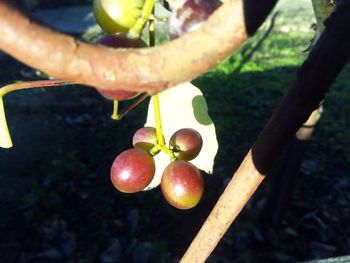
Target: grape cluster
pixel 182 183
pixel 134 169
pixel 117 17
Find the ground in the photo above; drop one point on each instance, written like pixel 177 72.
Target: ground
pixel 57 203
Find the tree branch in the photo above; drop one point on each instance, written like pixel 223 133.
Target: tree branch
pixel 306 93
pixel 149 69
pixel 283 185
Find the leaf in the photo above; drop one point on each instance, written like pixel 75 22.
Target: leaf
pixel 161 160
pixel 184 106
pixel 5 138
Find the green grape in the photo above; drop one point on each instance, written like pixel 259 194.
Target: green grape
pixel 116 16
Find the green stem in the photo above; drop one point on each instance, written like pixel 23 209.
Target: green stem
pixel 146 12
pixel 155 150
pixel 159 129
pixel 168 152
pixel 158 120
pixel 5 137
pixel 156 106
pixel 115 115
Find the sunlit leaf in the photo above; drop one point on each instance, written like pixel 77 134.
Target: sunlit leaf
pixel 5 138
pixel 185 107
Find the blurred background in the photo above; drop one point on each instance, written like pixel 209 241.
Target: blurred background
pixel 57 203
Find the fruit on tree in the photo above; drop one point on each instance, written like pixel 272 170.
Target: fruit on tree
pixel 117 94
pixel 182 184
pixel 189 15
pixel 132 170
pixel 115 16
pixel 119 41
pixel 186 144
pixel 145 138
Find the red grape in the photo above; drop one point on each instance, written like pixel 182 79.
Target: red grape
pixel 186 144
pixel 117 94
pixel 145 138
pixel 119 41
pixel 182 184
pixel 132 170
pixel 189 15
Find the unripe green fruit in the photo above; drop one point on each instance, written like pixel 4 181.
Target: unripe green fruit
pixel 116 16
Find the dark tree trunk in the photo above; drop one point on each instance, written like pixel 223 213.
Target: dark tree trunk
pixel 284 180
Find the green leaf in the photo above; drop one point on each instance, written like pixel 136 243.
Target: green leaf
pixel 5 138
pixel 184 106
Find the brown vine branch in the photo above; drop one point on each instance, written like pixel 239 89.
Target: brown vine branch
pixel 149 69
pixel 283 186
pixel 66 58
pixel 32 84
pixel 313 80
